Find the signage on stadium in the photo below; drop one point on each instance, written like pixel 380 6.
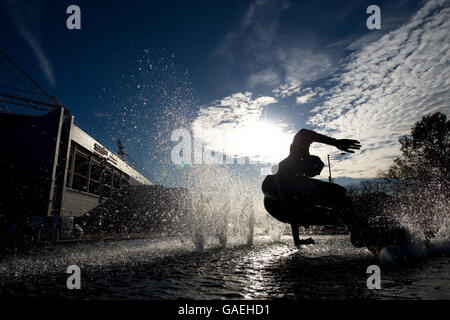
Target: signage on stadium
pixel 102 150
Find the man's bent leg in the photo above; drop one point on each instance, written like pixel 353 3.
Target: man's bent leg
pixel 296 236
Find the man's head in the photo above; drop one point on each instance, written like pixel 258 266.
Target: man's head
pixel 313 166
pixel 302 141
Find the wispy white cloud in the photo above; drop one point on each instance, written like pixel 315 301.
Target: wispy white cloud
pixel 388 85
pixel 302 64
pixel 306 97
pixel 264 77
pixel 288 89
pixel 27 18
pixel 269 57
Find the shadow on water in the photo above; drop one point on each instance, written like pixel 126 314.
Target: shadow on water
pixel 345 277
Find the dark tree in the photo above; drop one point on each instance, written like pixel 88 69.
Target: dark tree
pixel 121 150
pixel 419 178
pixel 426 152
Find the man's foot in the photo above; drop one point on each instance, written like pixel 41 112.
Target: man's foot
pixel 305 242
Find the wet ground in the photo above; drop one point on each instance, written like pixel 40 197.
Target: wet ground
pixel 173 269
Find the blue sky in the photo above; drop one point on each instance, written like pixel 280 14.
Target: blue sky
pixel 243 76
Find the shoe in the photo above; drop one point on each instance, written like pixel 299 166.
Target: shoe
pixel 306 241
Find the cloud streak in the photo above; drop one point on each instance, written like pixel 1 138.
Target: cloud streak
pixel 27 19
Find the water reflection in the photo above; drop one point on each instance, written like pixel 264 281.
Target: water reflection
pixel 170 269
pixel 255 266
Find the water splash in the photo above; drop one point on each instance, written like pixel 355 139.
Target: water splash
pixel 223 207
pixel 251 221
pixel 425 213
pixel 222 225
pixel 198 223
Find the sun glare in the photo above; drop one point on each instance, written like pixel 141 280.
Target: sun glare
pixel 261 141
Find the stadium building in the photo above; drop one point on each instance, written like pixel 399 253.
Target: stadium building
pixel 53 172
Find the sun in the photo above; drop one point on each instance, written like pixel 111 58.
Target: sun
pixel 260 141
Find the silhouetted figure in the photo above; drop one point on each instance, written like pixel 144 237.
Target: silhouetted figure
pixel 292 196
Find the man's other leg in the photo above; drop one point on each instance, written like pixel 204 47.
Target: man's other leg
pixel 295 234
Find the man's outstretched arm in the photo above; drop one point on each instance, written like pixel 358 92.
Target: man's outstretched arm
pixel 306 137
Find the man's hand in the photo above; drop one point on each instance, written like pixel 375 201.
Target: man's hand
pixel 348 145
